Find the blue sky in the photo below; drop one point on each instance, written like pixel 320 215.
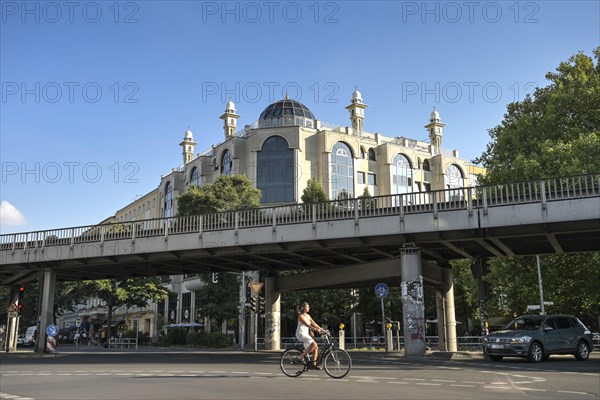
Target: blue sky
pixel 96 95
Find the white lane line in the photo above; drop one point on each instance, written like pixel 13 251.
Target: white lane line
pixel 366 381
pixel 532 389
pixel 497 387
pixel 216 372
pixel 400 383
pixel 571 392
pixel 457 385
pixel 413 379
pixel 428 384
pixel 474 382
pixel 442 380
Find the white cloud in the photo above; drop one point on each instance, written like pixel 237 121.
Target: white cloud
pixel 10 216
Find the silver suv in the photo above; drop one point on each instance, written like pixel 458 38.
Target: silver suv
pixel 536 337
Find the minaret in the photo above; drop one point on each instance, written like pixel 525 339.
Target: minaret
pixel 435 131
pixel 229 118
pixel 188 145
pixel 357 111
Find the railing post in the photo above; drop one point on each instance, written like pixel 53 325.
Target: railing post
pixel 274 219
pixel 470 201
pixel 435 205
pixel 355 211
pixel 200 223
pixel 102 231
pixel 543 193
pixel 166 228
pixel 313 208
pixel 133 225
pixel 237 222
pixel 72 237
pixel 26 241
pixel 401 205
pixel 484 200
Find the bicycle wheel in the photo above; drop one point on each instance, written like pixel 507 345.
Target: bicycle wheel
pixel 337 363
pixel 289 363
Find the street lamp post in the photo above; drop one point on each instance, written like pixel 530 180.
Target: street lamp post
pixel 542 310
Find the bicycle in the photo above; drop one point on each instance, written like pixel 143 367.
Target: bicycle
pixel 336 362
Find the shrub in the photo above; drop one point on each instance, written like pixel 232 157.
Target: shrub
pixel 212 340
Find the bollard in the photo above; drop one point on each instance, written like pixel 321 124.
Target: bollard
pixel 389 344
pixel 342 339
pixel 50 344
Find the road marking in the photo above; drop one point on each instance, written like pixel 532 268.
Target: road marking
pixel 532 389
pixel 497 387
pixel 442 380
pixel 457 385
pixel 571 392
pixel 400 383
pixel 428 384
pixel 413 379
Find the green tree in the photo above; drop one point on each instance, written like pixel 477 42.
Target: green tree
pixel 313 192
pixel 220 300
pixel 554 132
pixel 227 193
pixel 126 292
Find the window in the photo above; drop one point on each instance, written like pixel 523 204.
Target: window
pixel 453 179
pixel 363 153
pixel 426 166
pixel 195 177
pixel 341 171
pixel 372 155
pixel 226 163
pixel 276 172
pixel 371 179
pixel 361 178
pixel 401 172
pixel 168 205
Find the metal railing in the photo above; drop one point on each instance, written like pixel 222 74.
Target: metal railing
pixel 465 198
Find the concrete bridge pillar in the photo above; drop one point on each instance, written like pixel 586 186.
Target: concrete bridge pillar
pixel 413 309
pixel 450 312
pixel 48 286
pixel 272 316
pixel 441 318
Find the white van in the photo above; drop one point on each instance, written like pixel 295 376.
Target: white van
pixel 29 338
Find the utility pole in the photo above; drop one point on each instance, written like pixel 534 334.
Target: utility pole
pixel 539 271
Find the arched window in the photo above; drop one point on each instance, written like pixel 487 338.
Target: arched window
pixel 363 153
pixel 226 163
pixel 276 175
pixel 195 177
pixel 401 172
pixel 168 205
pixel 426 166
pixel 341 171
pixel 453 179
pixel 372 155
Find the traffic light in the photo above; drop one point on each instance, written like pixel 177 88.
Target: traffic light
pixel 20 309
pixel 20 301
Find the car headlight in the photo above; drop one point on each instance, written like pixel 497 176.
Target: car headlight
pixel 521 340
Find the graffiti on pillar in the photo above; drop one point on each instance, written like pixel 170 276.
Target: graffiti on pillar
pixel 413 291
pixel 271 326
pixel 414 325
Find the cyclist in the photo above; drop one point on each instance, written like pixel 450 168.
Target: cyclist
pixel 304 334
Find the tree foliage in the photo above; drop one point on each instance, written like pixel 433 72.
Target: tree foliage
pixel 219 300
pixel 227 193
pixel 128 292
pixel 313 192
pixel 554 132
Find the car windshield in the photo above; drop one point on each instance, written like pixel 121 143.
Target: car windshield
pixel 523 323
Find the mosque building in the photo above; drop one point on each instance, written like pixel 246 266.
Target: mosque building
pixel 285 148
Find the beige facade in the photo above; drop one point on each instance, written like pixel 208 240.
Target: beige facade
pixel 309 144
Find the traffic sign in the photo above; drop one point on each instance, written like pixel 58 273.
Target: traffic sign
pixel 255 287
pixel 52 330
pixel 382 290
pixel 12 308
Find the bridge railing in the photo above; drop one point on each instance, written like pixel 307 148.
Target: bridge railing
pixel 465 198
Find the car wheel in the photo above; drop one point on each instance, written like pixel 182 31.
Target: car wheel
pixel 536 353
pixel 583 351
pixel 494 358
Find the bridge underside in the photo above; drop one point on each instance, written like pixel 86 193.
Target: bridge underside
pixel 437 247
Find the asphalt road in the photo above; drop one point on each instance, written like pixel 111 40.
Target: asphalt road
pixel 244 375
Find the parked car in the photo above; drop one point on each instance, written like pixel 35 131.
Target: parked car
pixel 21 340
pixel 536 337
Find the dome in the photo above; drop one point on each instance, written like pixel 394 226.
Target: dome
pixel 285 108
pixel 230 106
pixel 435 115
pixel 188 135
pixel 356 95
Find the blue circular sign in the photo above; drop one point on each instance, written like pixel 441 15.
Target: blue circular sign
pixel 382 290
pixel 52 330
